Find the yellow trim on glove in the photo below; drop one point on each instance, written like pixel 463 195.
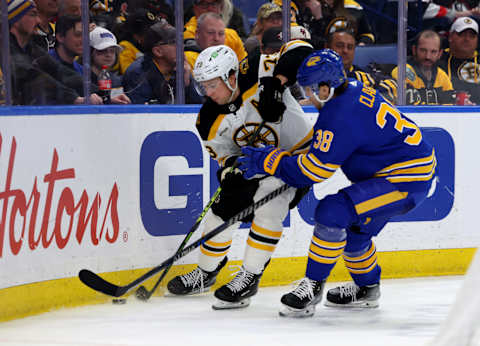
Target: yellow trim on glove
pixel 272 160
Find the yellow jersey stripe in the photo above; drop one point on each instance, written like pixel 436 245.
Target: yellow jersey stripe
pixel 321 259
pixel 328 166
pixel 251 242
pixel 409 163
pixel 213 130
pixel 266 232
pixel 414 170
pixel 380 201
pixel 362 271
pixel 250 92
pixel 325 252
pixel 328 244
pixel 362 257
pixel 220 245
pixel 361 265
pixel 211 253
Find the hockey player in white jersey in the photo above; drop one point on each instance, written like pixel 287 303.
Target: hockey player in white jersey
pixel 239 98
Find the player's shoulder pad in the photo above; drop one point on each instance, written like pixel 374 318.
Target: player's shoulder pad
pixel 206 118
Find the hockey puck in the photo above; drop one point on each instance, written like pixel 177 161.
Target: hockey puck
pixel 119 301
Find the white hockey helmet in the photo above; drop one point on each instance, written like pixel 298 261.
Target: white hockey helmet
pixel 216 61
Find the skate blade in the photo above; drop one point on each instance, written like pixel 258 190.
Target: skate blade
pixel 368 304
pixel 290 312
pixel 224 305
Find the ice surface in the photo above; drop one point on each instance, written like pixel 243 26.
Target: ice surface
pixel 410 313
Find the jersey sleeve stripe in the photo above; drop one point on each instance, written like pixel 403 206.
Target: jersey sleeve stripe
pixel 380 201
pixel 213 130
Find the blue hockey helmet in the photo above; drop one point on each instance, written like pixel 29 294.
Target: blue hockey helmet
pixel 322 67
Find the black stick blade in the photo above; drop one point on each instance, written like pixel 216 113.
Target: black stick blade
pixel 98 284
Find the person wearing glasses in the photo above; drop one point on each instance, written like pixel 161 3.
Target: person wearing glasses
pixel 151 78
pixel 232 39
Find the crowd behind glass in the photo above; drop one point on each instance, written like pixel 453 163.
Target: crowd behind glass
pixel 133 50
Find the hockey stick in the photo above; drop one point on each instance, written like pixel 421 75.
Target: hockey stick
pixel 142 293
pixel 96 283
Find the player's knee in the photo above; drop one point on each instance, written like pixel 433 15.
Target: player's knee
pixel 331 234
pixel 335 211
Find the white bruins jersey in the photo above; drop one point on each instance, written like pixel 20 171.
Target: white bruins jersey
pixel 225 129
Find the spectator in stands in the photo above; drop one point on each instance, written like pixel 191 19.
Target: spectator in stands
pixel 294 12
pixel 439 15
pixel 269 15
pixel 69 8
pixel 68 45
pixel 232 39
pixel 45 33
pixel 104 52
pixel 132 36
pixel 37 78
pixel 210 32
pixel 151 78
pixel 322 17
pixel 461 58
pixel 343 42
pixel 427 84
pixel 233 18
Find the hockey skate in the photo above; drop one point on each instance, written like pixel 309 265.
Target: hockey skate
pixel 353 296
pixel 236 294
pixel 302 300
pixel 197 281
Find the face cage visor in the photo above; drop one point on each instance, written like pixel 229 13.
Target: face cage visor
pixel 320 92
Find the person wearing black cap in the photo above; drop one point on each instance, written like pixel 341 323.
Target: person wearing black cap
pixel 131 36
pixel 151 78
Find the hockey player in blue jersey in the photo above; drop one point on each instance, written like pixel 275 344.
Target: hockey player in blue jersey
pixel 382 153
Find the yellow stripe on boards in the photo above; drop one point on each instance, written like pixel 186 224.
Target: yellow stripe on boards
pixel 31 299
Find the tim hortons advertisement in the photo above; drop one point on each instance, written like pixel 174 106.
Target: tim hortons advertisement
pixel 112 192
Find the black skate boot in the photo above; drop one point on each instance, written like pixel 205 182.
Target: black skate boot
pixel 351 295
pixel 237 293
pixel 302 300
pixel 197 281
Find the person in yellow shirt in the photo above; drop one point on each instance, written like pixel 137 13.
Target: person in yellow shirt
pixel 131 37
pixel 232 39
pixel 426 83
pixel 210 32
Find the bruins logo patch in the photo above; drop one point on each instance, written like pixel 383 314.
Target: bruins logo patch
pixel 267 135
pixel 469 72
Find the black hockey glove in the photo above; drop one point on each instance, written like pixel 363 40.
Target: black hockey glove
pixel 237 194
pixel 270 105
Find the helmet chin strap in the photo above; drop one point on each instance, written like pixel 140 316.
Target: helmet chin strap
pixel 232 89
pixel 322 102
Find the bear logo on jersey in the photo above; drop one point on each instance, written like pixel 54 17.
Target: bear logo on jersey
pixel 267 135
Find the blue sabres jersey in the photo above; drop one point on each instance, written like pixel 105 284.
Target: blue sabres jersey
pixel 367 137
